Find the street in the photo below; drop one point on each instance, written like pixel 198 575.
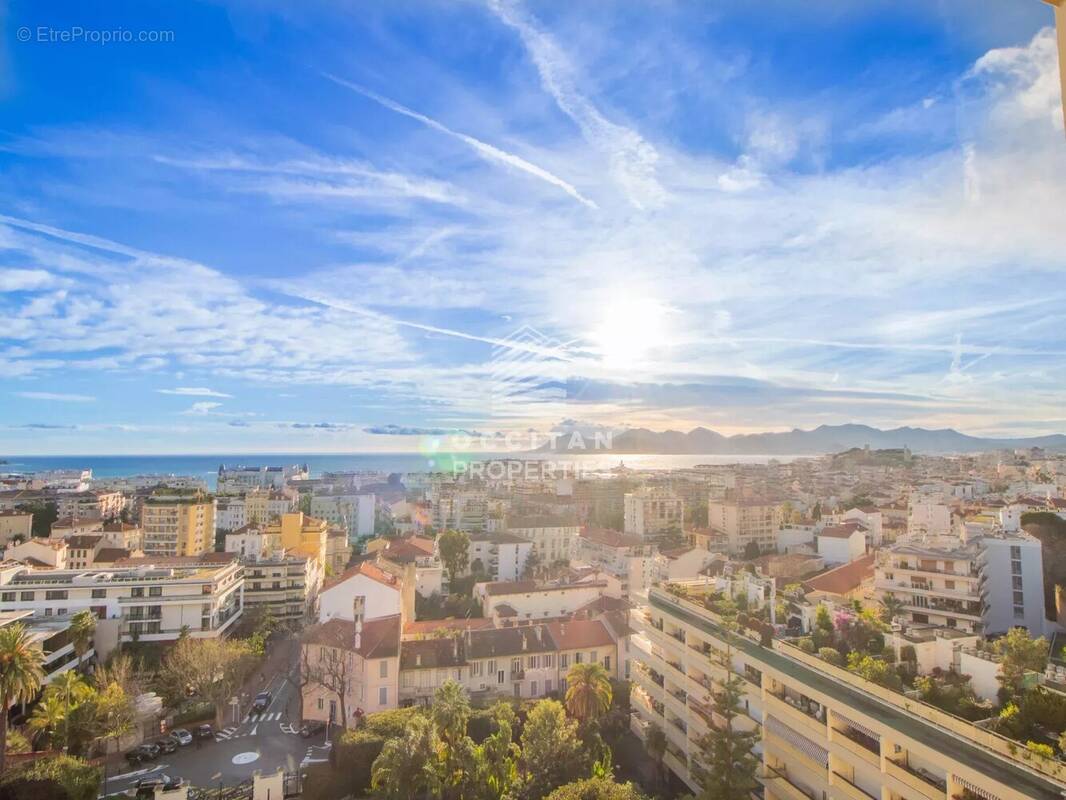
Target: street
pixel 260 742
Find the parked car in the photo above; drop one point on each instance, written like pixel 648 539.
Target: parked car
pixel 312 727
pixel 142 752
pixel 166 745
pixel 146 787
pixel 262 702
pixel 181 736
pixel 205 731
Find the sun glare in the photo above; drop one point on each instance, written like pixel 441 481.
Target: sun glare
pixel 630 329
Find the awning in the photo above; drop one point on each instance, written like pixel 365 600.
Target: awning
pixel 977 790
pixel 813 751
pixel 857 726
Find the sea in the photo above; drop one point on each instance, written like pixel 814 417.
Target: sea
pixel 206 466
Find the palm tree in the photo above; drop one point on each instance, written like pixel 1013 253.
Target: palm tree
pixel 892 607
pixel 20 675
pixel 588 692
pixel 82 630
pixel 72 689
pixel 406 768
pixel 47 717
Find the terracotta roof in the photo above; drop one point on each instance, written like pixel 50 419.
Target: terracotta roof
pixel 499 538
pixel 432 653
pixel 380 638
pixel 111 555
pixel 505 610
pixel 84 541
pixel 840 531
pixel 843 579
pixel 431 625
pixel 15 513
pixel 578 633
pixel 610 537
pixel 120 527
pixel 177 561
pixel 509 642
pixel 366 568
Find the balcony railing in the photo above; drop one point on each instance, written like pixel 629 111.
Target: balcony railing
pixel 919 779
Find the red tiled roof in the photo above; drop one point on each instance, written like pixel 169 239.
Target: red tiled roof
pixel 367 568
pixel 111 555
pixel 578 633
pixel 840 531
pixel 380 638
pixel 844 578
pixel 611 537
pixel 459 624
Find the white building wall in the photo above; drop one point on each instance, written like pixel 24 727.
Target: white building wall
pixel 1014 572
pixel 336 601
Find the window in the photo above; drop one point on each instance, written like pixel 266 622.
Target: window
pixel 1015 551
pixel 534 662
pixel 500 676
pixel 492 665
pixel 155 591
pixel 321 704
pixel 383 669
pixel 383 696
pixel 607 663
pixel 592 656
pixel 518 689
pixel 1019 598
pixel 26 596
pixel 579 657
pixel 532 688
pixel 1016 581
pixel 8 597
pixel 1016 568
pixel 548 686
pixel 99 593
pixel 332 709
pixel 1019 612
pixel 137 591
pixel 476 668
pixel 549 661
pixel 56 594
pixel 564 660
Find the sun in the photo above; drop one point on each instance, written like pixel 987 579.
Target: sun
pixel 630 328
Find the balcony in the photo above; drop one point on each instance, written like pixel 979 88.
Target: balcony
pixel 921 781
pixel 857 744
pixel 798 712
pixel 846 790
pixel 781 787
pixel 791 755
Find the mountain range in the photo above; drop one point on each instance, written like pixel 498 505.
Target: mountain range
pixel 820 440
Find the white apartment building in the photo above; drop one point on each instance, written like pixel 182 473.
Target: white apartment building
pixel 241 479
pixel 841 544
pixel 554 538
pixel 502 555
pixel 351 511
pixel 150 599
pixel 745 521
pixel 231 513
pixel 628 557
pixel 252 543
pixel 983 582
pixel 285 587
pixel 928 517
pixel 651 511
pixel 90 504
pixel 823 732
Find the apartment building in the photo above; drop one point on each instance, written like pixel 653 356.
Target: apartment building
pixel 459 509
pixel 651 511
pixel 361 657
pixel 285 587
pixel 824 732
pixel 986 582
pixel 301 534
pixel 526 662
pixel 629 558
pixel 178 522
pixel 241 479
pixel 353 511
pixel 91 504
pixel 150 599
pixel 554 538
pixel 744 522
pixel 502 556
pixel 40 553
pixel 518 602
pixel 52 637
pixel 15 525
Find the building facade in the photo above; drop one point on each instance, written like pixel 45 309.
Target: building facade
pixel 178 523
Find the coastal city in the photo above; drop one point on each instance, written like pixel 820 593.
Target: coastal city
pixel 871 623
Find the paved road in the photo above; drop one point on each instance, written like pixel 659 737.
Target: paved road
pixel 262 742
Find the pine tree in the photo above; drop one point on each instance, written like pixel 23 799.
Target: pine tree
pixel 727 764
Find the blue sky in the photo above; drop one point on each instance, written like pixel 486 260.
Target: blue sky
pixel 344 226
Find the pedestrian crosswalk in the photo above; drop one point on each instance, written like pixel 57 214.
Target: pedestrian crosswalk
pixel 268 717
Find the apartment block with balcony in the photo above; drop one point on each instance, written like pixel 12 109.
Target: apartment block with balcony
pixel 178 522
pixel 651 511
pixel 824 732
pixel 984 581
pixel 146 599
pixel 284 586
pixel 745 521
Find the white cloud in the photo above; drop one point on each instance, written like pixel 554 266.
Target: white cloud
pixel 194 391
pixel 201 409
pixel 57 397
pixel 483 149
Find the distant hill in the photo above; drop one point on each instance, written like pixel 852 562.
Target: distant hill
pixel 820 440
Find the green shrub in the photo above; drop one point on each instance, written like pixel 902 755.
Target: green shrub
pixel 353 758
pixel 58 778
pixel 596 789
pixel 806 644
pixel 390 724
pixel 195 713
pixel 831 655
